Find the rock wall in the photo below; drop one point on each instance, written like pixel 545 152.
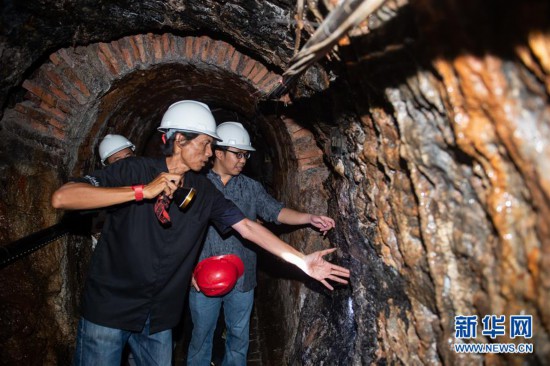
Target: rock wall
pixel 437 145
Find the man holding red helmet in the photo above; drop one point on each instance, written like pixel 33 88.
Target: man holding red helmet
pixel 231 154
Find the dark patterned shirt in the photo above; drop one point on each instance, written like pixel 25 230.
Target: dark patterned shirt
pixel 253 200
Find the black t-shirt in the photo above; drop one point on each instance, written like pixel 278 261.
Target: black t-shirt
pixel 139 266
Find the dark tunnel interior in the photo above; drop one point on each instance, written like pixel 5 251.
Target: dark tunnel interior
pixel 422 130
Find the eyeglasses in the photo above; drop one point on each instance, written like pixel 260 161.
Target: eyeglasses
pixel 240 154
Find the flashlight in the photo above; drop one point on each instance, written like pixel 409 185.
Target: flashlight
pixel 183 196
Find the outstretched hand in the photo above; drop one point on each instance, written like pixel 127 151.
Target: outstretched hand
pixel 322 270
pixel 323 223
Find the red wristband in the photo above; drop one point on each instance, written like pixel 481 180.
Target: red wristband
pixel 138 192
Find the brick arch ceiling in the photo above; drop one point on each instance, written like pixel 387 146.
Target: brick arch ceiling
pixel 81 93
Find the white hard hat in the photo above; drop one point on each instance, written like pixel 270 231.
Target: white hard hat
pixel 189 116
pixel 234 134
pixel 112 144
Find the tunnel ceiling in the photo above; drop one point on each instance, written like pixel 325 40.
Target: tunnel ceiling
pixel 79 94
pixel 263 31
pixel 32 29
pixel 425 136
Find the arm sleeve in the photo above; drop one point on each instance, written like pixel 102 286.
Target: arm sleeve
pixel 267 206
pixel 121 173
pixel 224 213
pixel 94 178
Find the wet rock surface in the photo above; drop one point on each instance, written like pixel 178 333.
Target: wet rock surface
pixel 427 140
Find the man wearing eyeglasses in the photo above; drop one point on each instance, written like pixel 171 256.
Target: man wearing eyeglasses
pixel 230 158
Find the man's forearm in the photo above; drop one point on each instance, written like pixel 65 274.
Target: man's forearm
pixel 259 235
pixel 83 196
pixel 292 217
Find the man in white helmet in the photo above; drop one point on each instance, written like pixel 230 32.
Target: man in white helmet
pixel 230 157
pixel 141 269
pixel 111 149
pixel 115 147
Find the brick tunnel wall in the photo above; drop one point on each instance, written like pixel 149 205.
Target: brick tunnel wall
pixel 53 132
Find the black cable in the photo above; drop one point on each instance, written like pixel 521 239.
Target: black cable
pixel 75 222
pixel 29 244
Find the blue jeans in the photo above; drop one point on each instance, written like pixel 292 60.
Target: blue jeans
pixel 204 313
pixel 99 345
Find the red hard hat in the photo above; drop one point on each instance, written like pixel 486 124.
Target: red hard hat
pixel 217 275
